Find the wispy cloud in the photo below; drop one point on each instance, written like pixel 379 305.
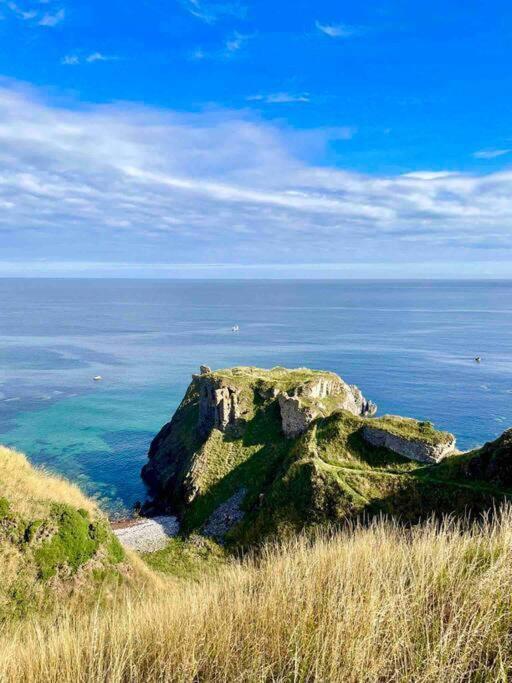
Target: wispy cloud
pixel 197 54
pixel 339 30
pixel 280 98
pixel 74 59
pixel 51 20
pixel 35 14
pixel 230 47
pixel 221 185
pixel 70 60
pixel 21 13
pixel 210 12
pixel 99 57
pixel 491 153
pixel 235 42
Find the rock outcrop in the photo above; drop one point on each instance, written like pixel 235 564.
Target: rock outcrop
pixel 295 415
pixel 320 397
pixel 362 405
pixel 411 443
pixel 219 404
pixel 226 402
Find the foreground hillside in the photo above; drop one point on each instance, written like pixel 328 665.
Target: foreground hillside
pixel 55 545
pixel 373 604
pixel 253 453
pixel 354 595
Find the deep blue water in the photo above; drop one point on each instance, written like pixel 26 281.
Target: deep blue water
pixel 408 345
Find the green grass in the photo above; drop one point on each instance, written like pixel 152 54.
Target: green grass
pixel 75 542
pixel 54 542
pixel 411 429
pixel 332 474
pixel 282 379
pixel 188 558
pixel 227 462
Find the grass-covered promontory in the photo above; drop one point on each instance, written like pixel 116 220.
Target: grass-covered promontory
pixel 55 544
pixel 226 455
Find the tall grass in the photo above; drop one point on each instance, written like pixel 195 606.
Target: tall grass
pixel 381 603
pixel 31 490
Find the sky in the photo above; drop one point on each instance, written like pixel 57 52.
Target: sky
pixel 195 138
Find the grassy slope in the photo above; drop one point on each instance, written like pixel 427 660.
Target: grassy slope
pixel 54 542
pixel 332 474
pixel 230 461
pixel 191 558
pixel 380 603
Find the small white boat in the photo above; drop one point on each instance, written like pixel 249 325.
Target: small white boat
pixel 478 359
pixel 98 378
pixel 235 328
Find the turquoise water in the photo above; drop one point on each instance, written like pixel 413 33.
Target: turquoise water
pixel 408 345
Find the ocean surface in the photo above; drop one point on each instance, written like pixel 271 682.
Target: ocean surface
pixel 410 347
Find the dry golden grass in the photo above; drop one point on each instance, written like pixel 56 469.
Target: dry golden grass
pixel 29 490
pixel 432 604
pixel 31 495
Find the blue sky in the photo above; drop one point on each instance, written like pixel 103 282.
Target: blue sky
pixel 194 138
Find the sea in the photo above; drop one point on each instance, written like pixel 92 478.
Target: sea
pixel 409 345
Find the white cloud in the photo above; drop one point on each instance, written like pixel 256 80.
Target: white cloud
pixel 18 11
pixel 99 57
pixel 70 60
pixel 51 20
pixel 74 60
pixel 210 12
pixel 231 46
pixel 235 42
pixel 491 153
pixel 219 185
pixel 279 98
pixel 428 175
pixel 198 54
pixel 23 14
pixel 339 30
pixel 34 15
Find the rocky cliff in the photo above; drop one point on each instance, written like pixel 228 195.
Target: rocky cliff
pixel 230 401
pixel 251 452
pixel 410 438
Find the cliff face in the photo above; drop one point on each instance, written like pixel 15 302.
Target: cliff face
pixel 230 401
pixel 223 400
pixel 318 398
pixel 412 439
pixel 252 452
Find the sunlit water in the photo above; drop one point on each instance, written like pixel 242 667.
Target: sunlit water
pixel 409 346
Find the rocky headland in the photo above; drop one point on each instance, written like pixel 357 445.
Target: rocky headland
pixel 251 453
